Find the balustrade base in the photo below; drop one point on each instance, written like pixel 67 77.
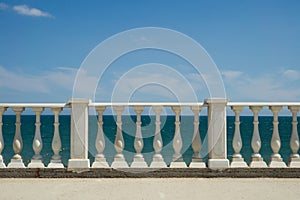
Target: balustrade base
pixel 119 163
pixel 178 164
pixel 158 164
pixel 238 163
pixel 78 163
pixel 100 163
pixel 16 163
pixel 197 165
pixel 294 162
pixel 258 164
pixel 36 164
pixel 55 164
pixel 138 163
pixel 218 163
pixel 2 164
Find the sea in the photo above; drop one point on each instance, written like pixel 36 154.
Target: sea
pixel 148 130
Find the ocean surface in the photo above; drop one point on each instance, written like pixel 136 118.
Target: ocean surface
pixel 148 129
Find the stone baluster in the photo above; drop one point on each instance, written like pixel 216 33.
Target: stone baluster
pixel 196 143
pixel 157 160
pixel 276 160
pixel 37 144
pixel 100 160
pixel 138 160
pixel 237 158
pixel 16 161
pixel 2 164
pixel 294 160
pixel 177 141
pixel 119 160
pixel 256 159
pixel 56 141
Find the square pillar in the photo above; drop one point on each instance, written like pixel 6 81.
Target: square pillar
pixel 79 134
pixel 217 134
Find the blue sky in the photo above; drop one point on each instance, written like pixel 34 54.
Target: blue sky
pixel 255 44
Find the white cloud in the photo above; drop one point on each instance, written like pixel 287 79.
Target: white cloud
pixel 25 10
pixel 291 74
pixel 231 75
pixel 261 87
pixel 3 6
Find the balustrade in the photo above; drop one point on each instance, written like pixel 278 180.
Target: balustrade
pixel 216 133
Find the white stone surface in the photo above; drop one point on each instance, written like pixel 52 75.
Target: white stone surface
pixel 16 163
pixel 197 165
pixel 178 164
pixel 36 164
pixel 79 134
pixel 150 188
pixel 78 163
pixel 258 164
pixel 218 163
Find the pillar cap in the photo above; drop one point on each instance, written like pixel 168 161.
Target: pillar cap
pixel 216 100
pixel 79 101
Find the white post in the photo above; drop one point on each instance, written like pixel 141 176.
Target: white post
pixel 56 141
pixel 217 136
pixel 100 160
pixel 16 161
pixel 237 158
pixel 138 160
pixel 2 164
pixel 256 159
pixel 157 160
pixel 196 143
pixel 119 160
pixel 177 141
pixel 276 160
pixel 79 134
pixel 37 144
pixel 294 160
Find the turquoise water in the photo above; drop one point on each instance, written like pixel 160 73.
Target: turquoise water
pixel 148 129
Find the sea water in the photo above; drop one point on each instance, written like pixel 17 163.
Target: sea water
pixel 148 130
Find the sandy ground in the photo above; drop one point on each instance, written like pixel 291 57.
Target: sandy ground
pixel 150 188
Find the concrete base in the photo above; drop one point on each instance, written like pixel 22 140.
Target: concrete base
pixel 218 163
pixel 158 161
pixel 197 165
pixel 276 162
pixel 2 164
pixel 100 163
pixel 78 163
pixel 294 162
pixel 36 164
pixel 258 164
pixel 119 162
pixel 238 163
pixel 55 164
pixel 16 163
pixel 138 163
pixel 178 164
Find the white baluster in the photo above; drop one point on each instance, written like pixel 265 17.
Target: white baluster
pixel 56 141
pixel 16 161
pixel 237 158
pixel 177 141
pixel 276 160
pixel 294 160
pixel 256 159
pixel 196 143
pixel 37 145
pixel 100 160
pixel 2 164
pixel 157 160
pixel 119 160
pixel 138 160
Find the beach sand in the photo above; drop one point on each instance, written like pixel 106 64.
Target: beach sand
pixel 150 188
